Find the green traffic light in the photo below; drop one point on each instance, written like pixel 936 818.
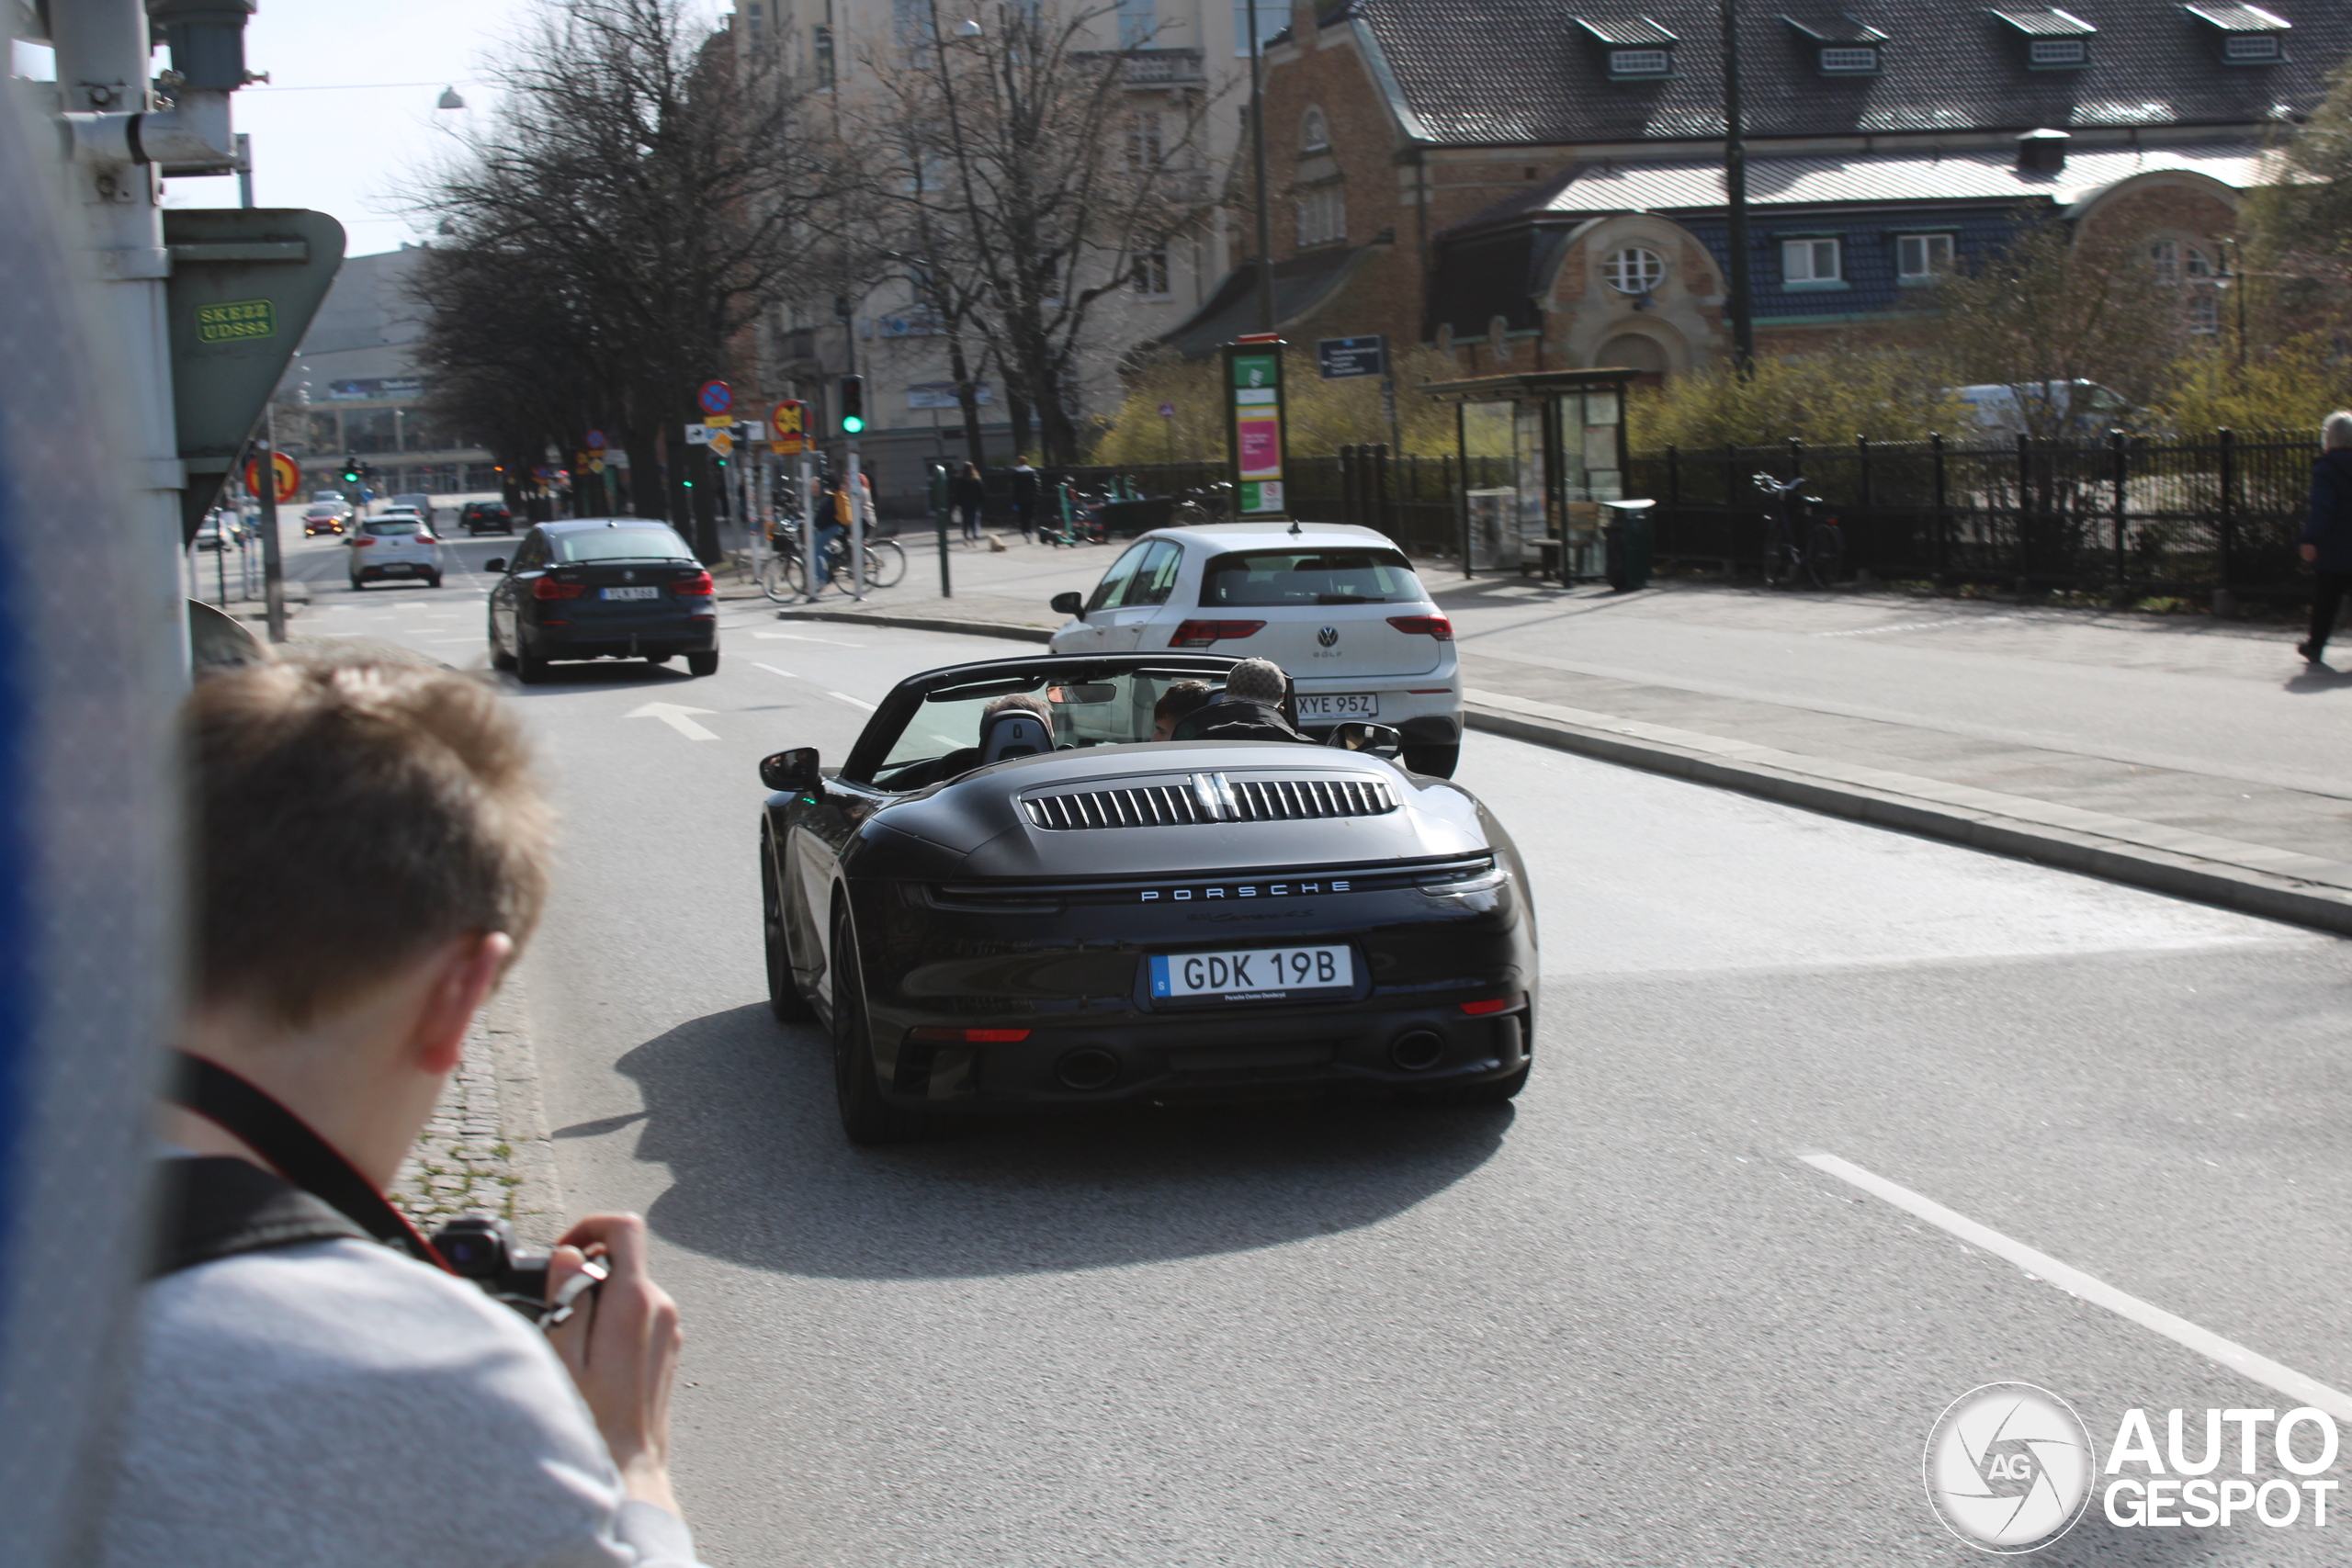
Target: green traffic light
pixel 852 423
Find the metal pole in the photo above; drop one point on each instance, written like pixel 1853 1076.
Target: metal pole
pixel 808 483
pixel 856 525
pixel 273 563
pixel 946 579
pixel 1740 306
pixel 1257 158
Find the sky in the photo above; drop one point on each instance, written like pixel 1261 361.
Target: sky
pixel 347 120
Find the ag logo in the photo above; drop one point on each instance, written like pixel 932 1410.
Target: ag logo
pixel 1328 635
pixel 2008 1466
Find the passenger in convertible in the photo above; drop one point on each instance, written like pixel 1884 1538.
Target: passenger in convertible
pixel 1249 708
pixel 1174 704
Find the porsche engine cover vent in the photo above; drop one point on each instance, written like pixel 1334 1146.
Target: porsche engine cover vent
pixel 1212 797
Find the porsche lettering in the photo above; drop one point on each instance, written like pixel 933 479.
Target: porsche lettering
pixel 1244 890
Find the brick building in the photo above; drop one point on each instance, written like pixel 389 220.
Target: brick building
pixel 1539 187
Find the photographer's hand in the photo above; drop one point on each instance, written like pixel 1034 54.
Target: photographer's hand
pixel 621 1347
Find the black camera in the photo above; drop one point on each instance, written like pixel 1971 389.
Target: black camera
pixel 484 1250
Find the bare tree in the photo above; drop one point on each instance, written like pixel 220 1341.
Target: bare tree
pixel 645 196
pixel 1025 189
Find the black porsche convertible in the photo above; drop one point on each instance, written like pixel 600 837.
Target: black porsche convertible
pixel 1009 897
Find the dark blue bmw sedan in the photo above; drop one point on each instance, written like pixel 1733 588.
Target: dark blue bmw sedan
pixel 602 588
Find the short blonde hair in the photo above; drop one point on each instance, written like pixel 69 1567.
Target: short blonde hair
pixel 349 816
pixel 2335 431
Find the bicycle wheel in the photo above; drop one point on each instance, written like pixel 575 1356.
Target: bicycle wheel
pixel 792 576
pixel 1188 515
pixel 886 563
pixel 774 580
pixel 1779 558
pixel 1825 555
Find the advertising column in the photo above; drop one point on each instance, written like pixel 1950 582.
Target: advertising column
pixel 1254 421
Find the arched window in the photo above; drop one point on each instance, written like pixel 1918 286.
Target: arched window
pixel 1633 270
pixel 2164 257
pixel 1315 133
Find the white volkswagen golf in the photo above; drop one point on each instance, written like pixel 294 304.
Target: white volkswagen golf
pixel 1336 606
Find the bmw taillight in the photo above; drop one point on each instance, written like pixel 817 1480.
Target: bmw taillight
pixel 548 588
pixel 1437 626
pixel 1201 633
pixel 1481 1009
pixel 694 587
pixel 967 1036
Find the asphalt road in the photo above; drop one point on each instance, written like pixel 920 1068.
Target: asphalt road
pixel 1616 1323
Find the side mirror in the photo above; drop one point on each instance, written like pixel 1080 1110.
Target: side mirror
pixel 791 771
pixel 495 563
pixel 1068 605
pixel 1377 739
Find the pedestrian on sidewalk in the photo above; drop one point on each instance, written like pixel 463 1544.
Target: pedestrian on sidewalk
pixel 2327 531
pixel 1024 496
pixel 967 494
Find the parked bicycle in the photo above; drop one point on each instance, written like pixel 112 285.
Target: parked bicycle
pixel 1796 540
pixel 784 576
pixel 1206 505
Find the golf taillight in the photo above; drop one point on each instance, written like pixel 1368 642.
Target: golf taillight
pixel 1437 626
pixel 696 586
pixel 1201 633
pixel 967 1036
pixel 362 541
pixel 548 588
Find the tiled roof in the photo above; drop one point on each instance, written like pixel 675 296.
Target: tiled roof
pixel 1522 72
pixel 1622 31
pixel 1301 283
pixel 2044 23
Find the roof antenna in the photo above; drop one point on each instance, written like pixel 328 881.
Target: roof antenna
pixel 1293 528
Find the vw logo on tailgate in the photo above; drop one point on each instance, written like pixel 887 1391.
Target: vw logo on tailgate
pixel 1328 635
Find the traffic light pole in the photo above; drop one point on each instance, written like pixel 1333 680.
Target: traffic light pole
pixel 856 525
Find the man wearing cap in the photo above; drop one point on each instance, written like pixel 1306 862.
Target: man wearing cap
pixel 1249 708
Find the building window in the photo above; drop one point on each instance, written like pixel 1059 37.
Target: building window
pixel 820 49
pixel 1150 276
pixel 2057 54
pixel 1810 261
pixel 2205 311
pixel 1138 24
pixel 1272 19
pixel 2164 260
pixel 1848 62
pixel 1921 258
pixel 2195 264
pixel 2256 48
pixel 1143 141
pixel 1633 270
pixel 1322 217
pixel 1315 133
pixel 1625 63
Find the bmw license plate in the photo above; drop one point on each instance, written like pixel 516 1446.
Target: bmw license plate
pixel 1335 705
pixel 631 593
pixel 1253 974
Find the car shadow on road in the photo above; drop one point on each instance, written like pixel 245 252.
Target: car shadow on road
pixel 742 1112
pixel 599 674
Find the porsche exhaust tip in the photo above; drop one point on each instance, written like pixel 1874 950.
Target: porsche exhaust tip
pixel 1087 1068
pixel 1418 1050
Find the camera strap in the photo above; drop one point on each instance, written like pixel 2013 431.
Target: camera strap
pixel 298 1153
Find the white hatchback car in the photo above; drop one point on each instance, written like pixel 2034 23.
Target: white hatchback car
pixel 1336 606
pixel 399 544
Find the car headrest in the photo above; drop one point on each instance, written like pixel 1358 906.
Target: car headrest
pixel 1015 732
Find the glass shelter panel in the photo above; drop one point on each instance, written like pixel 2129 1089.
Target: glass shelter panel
pixel 1490 473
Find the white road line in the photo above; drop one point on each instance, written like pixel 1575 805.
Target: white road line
pixel 1919 625
pixel 675 717
pixel 795 636
pixel 2099 1292
pixel 851 700
pixel 774 671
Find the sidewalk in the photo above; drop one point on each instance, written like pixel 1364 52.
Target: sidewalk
pixel 2194 757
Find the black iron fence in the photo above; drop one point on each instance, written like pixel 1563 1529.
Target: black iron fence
pixel 2129 517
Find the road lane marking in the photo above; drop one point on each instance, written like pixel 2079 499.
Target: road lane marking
pixel 1919 625
pixel 795 636
pixel 851 700
pixel 675 717
pixel 774 671
pixel 2097 1291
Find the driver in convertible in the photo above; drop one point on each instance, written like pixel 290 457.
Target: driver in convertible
pixel 1249 708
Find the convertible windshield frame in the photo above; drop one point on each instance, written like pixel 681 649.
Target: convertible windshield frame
pixel 900 709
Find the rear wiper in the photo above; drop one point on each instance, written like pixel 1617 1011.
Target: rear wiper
pixel 1350 599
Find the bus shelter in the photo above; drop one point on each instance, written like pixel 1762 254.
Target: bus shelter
pixel 1542 456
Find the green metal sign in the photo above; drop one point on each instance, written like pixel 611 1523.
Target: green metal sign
pixel 245 282
pixel 235 321
pixel 1254 425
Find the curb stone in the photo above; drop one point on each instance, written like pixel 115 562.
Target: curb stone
pixel 2113 849
pixel 487 1149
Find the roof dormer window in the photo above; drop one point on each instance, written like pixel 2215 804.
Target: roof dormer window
pixel 1844 46
pixel 2249 35
pixel 2054 40
pixel 1632 49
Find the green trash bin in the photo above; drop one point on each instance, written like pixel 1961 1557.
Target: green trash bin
pixel 1625 544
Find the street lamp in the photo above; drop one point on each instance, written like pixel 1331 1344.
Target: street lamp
pixel 450 99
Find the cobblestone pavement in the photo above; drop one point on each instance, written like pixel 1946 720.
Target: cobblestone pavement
pixel 486 1150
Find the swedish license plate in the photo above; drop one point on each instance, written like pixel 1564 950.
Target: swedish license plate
pixel 632 593
pixel 1253 974
pixel 1336 705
